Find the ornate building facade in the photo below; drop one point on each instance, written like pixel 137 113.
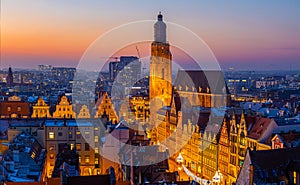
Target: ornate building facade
pixel 104 104
pixel 40 109
pixel 14 108
pixel 84 112
pixel 223 159
pixel 237 145
pixel 64 109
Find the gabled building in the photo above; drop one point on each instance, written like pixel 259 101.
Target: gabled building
pixel 14 108
pixel 104 104
pixel 84 112
pixel 223 152
pixel 285 140
pixel 64 109
pixel 260 132
pixel 235 156
pixel 251 132
pixel 281 167
pixel 40 109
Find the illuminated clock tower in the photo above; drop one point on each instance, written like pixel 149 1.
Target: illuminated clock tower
pixel 160 66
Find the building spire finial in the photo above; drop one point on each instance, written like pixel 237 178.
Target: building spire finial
pixel 159 16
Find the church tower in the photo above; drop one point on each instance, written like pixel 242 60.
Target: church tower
pixel 10 77
pixel 160 68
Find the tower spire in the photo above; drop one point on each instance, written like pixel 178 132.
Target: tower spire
pixel 160 16
pixel 160 29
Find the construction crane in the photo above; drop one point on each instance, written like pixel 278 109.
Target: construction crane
pixel 138 52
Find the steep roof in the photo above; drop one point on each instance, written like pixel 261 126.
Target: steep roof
pixel 260 127
pixel 199 79
pixel 273 159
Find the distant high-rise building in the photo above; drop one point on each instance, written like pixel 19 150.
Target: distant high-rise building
pixel 10 77
pixel 44 68
pixel 129 64
pixel 124 75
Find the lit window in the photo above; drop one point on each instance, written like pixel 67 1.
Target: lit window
pixel 96 150
pixel 78 146
pixel 51 135
pixel 19 109
pixel 96 160
pixel 96 128
pixel 72 146
pixel 96 139
pixel 8 108
pixel 51 156
pixel 79 159
pixel 33 155
pixel 87 159
pixel 87 135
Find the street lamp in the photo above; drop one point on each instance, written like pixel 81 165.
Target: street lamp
pixel 217 177
pixel 179 160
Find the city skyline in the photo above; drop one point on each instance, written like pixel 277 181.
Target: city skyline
pixel 164 113
pixel 246 36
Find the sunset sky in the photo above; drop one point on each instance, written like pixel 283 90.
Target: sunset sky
pixel 246 35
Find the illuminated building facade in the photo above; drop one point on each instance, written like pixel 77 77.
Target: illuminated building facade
pixel 223 151
pixel 140 106
pixel 252 134
pixel 64 109
pixel 104 104
pixel 237 144
pixel 82 135
pixel 14 108
pixel 40 109
pixel 160 84
pixel 84 112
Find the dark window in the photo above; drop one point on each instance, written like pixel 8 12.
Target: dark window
pixel 87 147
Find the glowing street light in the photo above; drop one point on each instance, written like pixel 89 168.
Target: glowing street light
pixel 179 159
